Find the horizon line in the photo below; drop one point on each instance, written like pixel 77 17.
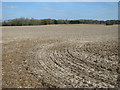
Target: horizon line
pixel 58 19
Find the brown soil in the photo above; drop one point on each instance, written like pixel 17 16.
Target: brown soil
pixel 60 62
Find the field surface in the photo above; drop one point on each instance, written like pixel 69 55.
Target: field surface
pixel 60 56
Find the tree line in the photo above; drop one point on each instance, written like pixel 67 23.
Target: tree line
pixel 26 22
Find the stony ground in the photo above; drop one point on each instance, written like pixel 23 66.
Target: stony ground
pixel 66 56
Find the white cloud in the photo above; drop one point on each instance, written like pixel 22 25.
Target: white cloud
pixel 6 6
pixel 102 10
pixel 49 9
pixel 53 9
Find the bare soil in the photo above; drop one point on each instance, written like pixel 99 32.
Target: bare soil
pixel 60 56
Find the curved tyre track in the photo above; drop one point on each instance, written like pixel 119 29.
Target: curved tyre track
pixel 74 64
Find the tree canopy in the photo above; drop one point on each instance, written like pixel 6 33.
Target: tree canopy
pixel 25 22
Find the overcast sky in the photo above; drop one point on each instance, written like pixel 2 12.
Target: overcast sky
pixel 60 10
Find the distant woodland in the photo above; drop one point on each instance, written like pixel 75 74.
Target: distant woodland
pixel 27 22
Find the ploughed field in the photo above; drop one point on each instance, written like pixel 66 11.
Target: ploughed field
pixel 60 56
